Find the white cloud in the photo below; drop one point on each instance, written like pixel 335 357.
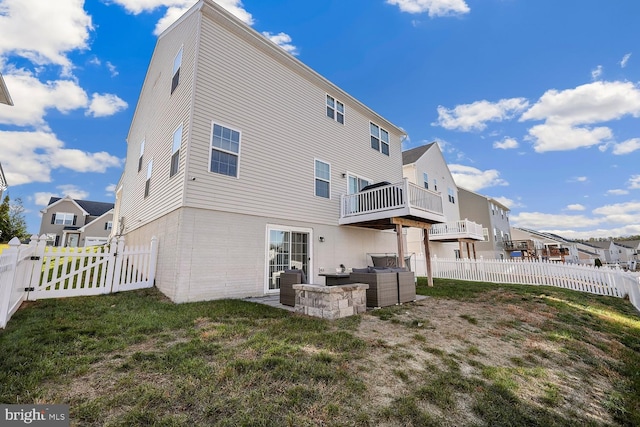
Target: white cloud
pixel 634 182
pixel 283 40
pixel 561 137
pixel 105 105
pixel 31 156
pixel 32 98
pixel 506 144
pixel 176 8
pixel 44 31
pixel 509 203
pixel 475 179
pixel 595 102
pixel 625 60
pixel 617 192
pixel 112 69
pixel 597 72
pixel 620 213
pixel 627 147
pixel 575 207
pixel 540 221
pixel 468 117
pixel 110 189
pixel 42 198
pixel 73 191
pixel 579 179
pixel 432 7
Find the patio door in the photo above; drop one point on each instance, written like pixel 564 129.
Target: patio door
pixel 355 185
pixel 287 248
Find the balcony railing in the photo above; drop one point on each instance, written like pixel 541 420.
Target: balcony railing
pixel 463 229
pixel 400 199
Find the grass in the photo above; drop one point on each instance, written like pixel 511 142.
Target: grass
pixel 3 246
pixel 134 358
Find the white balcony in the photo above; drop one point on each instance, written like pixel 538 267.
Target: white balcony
pixel 403 199
pixel 453 231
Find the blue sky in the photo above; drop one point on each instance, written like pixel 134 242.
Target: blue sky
pixel 534 103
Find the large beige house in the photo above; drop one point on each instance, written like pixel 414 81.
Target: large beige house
pixel 72 222
pixel 244 162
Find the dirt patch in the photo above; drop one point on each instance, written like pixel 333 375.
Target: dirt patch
pixel 423 339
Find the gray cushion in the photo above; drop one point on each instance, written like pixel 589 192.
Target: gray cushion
pixel 360 270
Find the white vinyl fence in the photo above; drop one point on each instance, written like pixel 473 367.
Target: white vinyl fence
pixel 37 271
pixel 584 278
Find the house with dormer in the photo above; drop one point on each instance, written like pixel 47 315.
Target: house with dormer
pixel 244 162
pixel 71 222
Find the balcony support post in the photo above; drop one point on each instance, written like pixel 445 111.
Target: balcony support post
pixel 400 246
pixel 427 255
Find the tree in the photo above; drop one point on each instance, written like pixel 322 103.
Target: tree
pixel 12 220
pixel 4 220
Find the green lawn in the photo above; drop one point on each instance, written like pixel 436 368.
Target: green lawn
pixel 135 358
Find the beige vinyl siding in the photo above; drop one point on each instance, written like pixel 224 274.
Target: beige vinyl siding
pixel 66 207
pixel 96 228
pixel 157 116
pixel 282 117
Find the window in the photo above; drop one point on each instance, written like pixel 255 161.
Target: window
pixel 225 150
pixel 147 184
pixel 379 139
pixel 323 179
pixel 141 154
pixel 452 197
pixel 425 179
pixel 177 62
pixel 64 218
pixel 108 225
pixel 435 184
pixel 175 151
pixel 335 109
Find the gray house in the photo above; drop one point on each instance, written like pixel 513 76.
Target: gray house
pixel 71 222
pixel 244 162
pixel 494 217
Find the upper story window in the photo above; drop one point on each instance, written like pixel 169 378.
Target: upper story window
pixel 225 150
pixel 379 139
pixel 335 109
pixel 175 151
pixel 108 225
pixel 140 157
pixel 64 218
pixel 452 195
pixel 177 63
pixel 323 179
pixel 435 184
pixel 147 184
pixel 425 180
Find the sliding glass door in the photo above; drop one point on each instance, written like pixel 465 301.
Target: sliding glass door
pixel 287 248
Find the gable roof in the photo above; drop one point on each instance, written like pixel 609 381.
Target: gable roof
pixel 89 207
pixel 550 236
pixel 412 155
pixel 5 98
pixel 95 220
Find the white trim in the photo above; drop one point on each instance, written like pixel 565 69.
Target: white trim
pixel 211 148
pixel 280 227
pixel 350 174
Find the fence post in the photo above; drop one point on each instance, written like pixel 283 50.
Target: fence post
pixel 153 260
pixel 6 286
pixel 40 244
pixel 110 267
pixel 117 264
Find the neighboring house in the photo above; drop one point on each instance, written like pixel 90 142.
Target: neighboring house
pixel 546 246
pixel 493 215
pixel 3 182
pixel 628 252
pixel 608 251
pixel 244 162
pixel 71 222
pixel 425 166
pixel 5 98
